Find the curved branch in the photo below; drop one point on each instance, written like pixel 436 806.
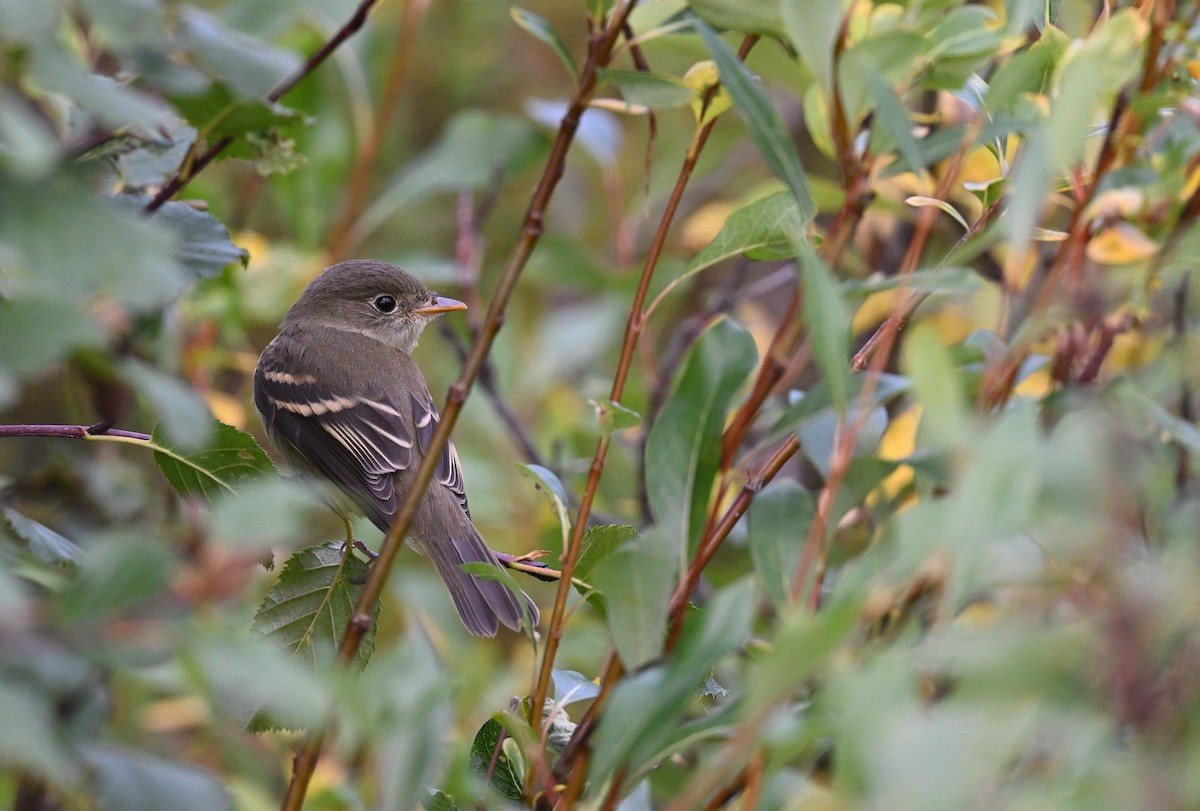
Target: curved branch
pixel 193 168
pixel 600 47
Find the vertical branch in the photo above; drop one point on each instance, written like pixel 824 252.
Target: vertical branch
pixel 634 327
pixel 599 51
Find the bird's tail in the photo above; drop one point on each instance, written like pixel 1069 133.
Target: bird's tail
pixel 481 603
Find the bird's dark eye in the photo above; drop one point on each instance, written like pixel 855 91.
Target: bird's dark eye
pixel 385 304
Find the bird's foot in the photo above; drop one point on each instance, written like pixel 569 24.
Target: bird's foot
pixel 529 564
pixel 366 550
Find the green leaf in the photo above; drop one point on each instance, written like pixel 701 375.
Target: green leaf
pixel 637 583
pixel 819 399
pixel 945 421
pixel 474 147
pixel 204 246
pixel 40 332
pixel 779 519
pixel 268 512
pixel 438 800
pixel 613 416
pixel 654 90
pixel 1027 71
pixel 29 147
pixel 117 575
pixel 539 27
pixel 644 708
pixel 549 484
pixel 125 779
pixel 42 543
pixel 308 610
pixel 684 446
pixel 154 158
pixel 766 228
pixel 804 643
pixel 894 117
pixel 106 250
pixel 965 31
pixel 253 680
pixel 813 29
pixel 29 738
pixel 182 413
pixel 231 459
pixel 748 16
pixel 762 121
pixel 598 544
pixel 112 103
pixel 1089 75
pixel 828 322
pixel 891 55
pixel 506 779
pixel 251 66
pixel 219 112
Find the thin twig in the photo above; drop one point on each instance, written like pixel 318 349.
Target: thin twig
pixel 192 168
pixel 70 432
pixel 599 52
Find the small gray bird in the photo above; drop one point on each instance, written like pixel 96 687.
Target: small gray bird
pixel 340 396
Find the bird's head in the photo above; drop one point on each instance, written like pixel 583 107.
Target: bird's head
pixel 373 298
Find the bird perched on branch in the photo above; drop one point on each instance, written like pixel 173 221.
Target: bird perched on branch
pixel 341 397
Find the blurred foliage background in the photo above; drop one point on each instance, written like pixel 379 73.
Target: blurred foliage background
pixel 898 505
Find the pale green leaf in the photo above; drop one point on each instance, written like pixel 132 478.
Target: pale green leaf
pixel 779 519
pixel 766 228
pixel 653 90
pixel 765 126
pixel 637 580
pixel 539 27
pixel 812 28
pixel 828 321
pixel 683 448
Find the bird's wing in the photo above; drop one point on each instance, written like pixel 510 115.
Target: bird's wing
pixel 354 440
pixel 448 472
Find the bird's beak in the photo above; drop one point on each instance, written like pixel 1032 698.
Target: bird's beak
pixel 441 304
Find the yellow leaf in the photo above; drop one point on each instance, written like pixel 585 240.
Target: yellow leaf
pixel 920 201
pixel 898 442
pixel 619 106
pixel 1120 244
pixel 1133 349
pixel 700 77
pixel 981 165
pixel 225 408
pixel 1048 235
pixel 1123 202
pixel 1035 386
pixel 1193 183
pixel 873 310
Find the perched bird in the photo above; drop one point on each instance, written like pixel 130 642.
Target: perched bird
pixel 341 397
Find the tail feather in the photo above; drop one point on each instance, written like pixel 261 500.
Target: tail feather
pixel 481 603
